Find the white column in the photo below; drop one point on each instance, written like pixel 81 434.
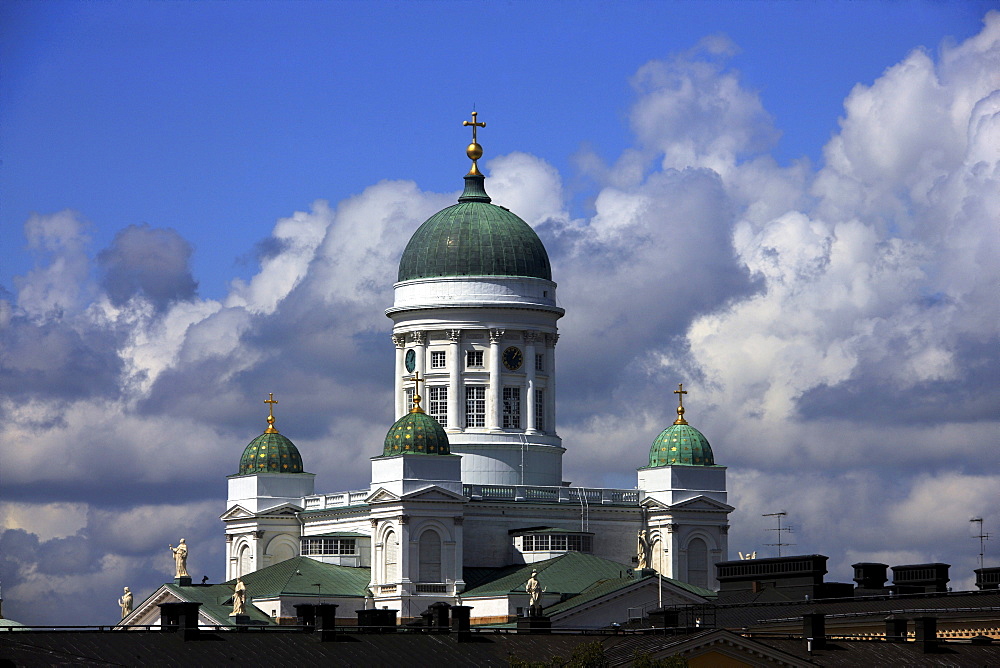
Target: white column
pixel 495 402
pixel 550 388
pixel 420 343
pixel 529 381
pixel 399 340
pixel 455 389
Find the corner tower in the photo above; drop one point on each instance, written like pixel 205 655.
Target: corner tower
pixel 264 496
pixel 685 500
pixel 475 314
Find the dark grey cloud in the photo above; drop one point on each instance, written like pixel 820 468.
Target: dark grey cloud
pixel 58 359
pixel 147 261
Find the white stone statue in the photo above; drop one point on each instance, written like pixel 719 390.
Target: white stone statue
pixel 239 598
pixel 534 589
pixel 180 559
pixel 126 603
pixel 642 549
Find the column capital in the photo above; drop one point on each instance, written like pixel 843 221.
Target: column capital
pixel 419 337
pixel 551 339
pixel 496 335
pixel 530 336
pixel 399 340
pixel 454 335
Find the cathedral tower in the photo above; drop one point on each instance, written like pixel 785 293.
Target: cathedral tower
pixel 475 314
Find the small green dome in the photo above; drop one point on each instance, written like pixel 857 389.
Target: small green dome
pixel 416 433
pixel 681 444
pixel 474 238
pixel 270 453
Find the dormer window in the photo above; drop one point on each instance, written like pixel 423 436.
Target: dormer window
pixel 329 546
pixel 537 543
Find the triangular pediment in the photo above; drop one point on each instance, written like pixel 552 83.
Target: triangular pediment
pixel 381 495
pixel 652 504
pixel 281 510
pixel 433 493
pixel 702 502
pixel 237 512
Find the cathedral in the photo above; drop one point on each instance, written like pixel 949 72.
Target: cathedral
pixel 466 495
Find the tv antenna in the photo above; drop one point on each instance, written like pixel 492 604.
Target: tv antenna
pixel 983 537
pixel 779 529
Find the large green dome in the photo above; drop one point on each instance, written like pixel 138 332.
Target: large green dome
pixel 681 444
pixel 270 452
pixel 416 433
pixel 474 238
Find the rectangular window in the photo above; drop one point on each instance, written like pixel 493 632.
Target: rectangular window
pixel 539 362
pixel 407 399
pixel 540 410
pixel 474 358
pixel 512 408
pixel 329 546
pixel 556 543
pixel 475 406
pixel 437 404
pixel 438 359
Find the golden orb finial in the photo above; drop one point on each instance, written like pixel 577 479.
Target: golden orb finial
pixel 271 401
pixel 474 150
pixel 680 392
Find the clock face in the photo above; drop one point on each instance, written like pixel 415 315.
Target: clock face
pixel 411 360
pixel 512 358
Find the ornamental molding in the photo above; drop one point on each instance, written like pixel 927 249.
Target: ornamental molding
pixel 530 337
pixel 496 336
pixel 724 529
pixel 551 340
pixel 454 335
pixel 419 337
pixel 459 520
pixel 399 340
pixel 403 519
pixel 671 528
pixel 258 534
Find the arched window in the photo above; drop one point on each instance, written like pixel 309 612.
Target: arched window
pixel 391 551
pixel 243 563
pixel 430 557
pixel 697 562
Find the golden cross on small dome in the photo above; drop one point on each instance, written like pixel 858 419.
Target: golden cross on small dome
pixel 416 393
pixel 474 150
pixel 271 401
pixel 680 392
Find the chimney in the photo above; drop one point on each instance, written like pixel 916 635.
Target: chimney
pixel 439 617
pixel 925 633
pixel 326 621
pixel 870 578
pixel 180 616
pixel 814 629
pixel 377 620
pixel 895 628
pixel 920 578
pixel 988 578
pixel 460 622
pixel 306 614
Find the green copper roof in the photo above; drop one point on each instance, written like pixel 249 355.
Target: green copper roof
pixel 681 444
pixel 474 238
pixel 270 453
pixel 416 433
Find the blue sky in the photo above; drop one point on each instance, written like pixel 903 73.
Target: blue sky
pixel 217 118
pixel 789 207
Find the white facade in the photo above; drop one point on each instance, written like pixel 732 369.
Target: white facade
pixel 487 344
pixel 485 349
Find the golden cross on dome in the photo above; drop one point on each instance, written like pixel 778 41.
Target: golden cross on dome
pixel 474 150
pixel 474 125
pixel 680 392
pixel 416 393
pixel 270 413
